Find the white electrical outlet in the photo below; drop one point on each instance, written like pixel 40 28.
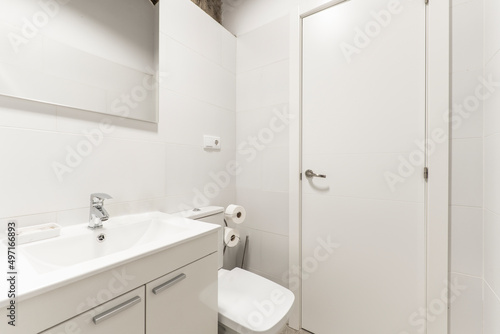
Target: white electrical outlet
pixel 211 142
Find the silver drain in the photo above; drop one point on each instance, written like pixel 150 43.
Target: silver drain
pixel 101 237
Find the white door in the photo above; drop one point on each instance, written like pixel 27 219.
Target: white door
pixel 363 254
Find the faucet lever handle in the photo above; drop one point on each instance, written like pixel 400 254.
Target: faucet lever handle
pixel 99 198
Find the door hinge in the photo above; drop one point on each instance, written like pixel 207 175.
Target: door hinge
pixel 426 173
pixel 300 176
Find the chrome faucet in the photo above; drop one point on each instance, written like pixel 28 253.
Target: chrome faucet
pixel 97 212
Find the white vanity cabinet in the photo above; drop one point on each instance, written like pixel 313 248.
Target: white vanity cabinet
pixel 124 315
pixel 183 276
pixel 182 301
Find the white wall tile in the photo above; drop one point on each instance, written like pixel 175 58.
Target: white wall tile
pixel 240 17
pixel 264 45
pixel 491 29
pixel 491 171
pixel 467 117
pixel 458 2
pixel 133 161
pixel 191 74
pixel 275 169
pixel 467 172
pixel 27 172
pixel 467 165
pixel 253 257
pixel 206 37
pixel 491 175
pixel 492 250
pixel 79 122
pixel 255 125
pixel 21 113
pixel 266 211
pixel 25 54
pixel 467 240
pixel 185 120
pixel 492 104
pixel 203 174
pixel 127 170
pixel 491 312
pixel 262 139
pixel 115 209
pixel 251 175
pixel 467 39
pixel 275 256
pixel 466 312
pixel 265 86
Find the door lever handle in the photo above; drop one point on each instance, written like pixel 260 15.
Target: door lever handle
pixel 310 174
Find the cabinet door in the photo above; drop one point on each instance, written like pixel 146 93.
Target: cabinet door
pixel 184 301
pixel 124 315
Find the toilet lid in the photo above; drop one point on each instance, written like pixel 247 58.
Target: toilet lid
pixel 251 302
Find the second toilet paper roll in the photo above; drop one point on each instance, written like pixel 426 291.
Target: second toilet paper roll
pixel 235 214
pixel 231 237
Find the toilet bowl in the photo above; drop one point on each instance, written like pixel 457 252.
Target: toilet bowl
pixel 248 303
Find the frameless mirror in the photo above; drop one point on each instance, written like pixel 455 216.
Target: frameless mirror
pixel 99 56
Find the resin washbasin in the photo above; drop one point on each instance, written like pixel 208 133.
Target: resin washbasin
pixel 82 244
pixel 80 252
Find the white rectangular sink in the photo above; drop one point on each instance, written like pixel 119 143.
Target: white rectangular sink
pixel 117 235
pixel 80 252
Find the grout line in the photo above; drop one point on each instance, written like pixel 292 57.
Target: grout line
pixel 491 289
pixel 492 134
pixel 465 206
pixel 260 67
pixel 487 62
pixel 264 231
pixel 466 138
pixel 493 212
pixel 180 94
pixel 466 275
pixel 198 53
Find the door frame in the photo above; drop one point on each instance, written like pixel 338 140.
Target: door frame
pixel 437 189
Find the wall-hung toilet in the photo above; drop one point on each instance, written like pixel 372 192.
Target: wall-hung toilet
pixel 248 303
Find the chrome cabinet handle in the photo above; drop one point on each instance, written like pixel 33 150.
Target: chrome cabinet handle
pixel 168 284
pixel 310 173
pixel 115 310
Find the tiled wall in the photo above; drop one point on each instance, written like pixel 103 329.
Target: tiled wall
pixel 243 16
pixel 467 166
pixel 144 166
pixel 492 172
pixel 262 145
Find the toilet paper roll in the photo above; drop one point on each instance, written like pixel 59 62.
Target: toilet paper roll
pixel 231 237
pixel 235 214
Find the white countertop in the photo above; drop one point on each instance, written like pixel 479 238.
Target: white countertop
pixel 32 281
